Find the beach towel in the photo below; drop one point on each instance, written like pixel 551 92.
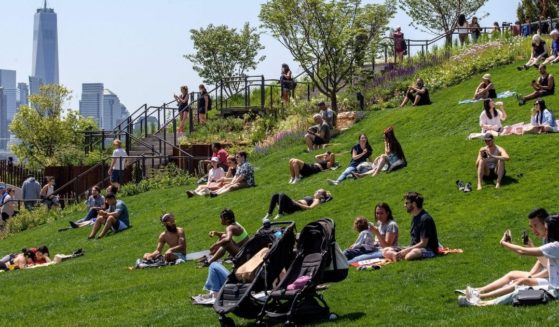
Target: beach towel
pixel 502 95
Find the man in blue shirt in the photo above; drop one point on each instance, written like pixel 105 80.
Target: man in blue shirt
pixel 114 218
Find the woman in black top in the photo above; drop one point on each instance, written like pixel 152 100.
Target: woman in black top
pixel 287 206
pixel 286 82
pixel 545 85
pixel 299 169
pixel 485 89
pixel 182 101
pixel 203 104
pixel 359 153
pixel 539 53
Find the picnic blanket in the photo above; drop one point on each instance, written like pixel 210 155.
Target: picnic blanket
pixel 160 261
pixel 502 95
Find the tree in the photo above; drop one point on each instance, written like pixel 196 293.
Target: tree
pixel 223 53
pixel 327 39
pixel 49 134
pixel 439 16
pixel 534 9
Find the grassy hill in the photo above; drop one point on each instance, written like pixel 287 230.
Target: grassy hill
pixel 98 289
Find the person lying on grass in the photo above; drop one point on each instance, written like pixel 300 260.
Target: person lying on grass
pixel 113 219
pixel 299 169
pixel 424 241
pixel 490 162
pixel 287 206
pixel 385 231
pixel 174 237
pixel 392 158
pixel 550 251
pixel 543 119
pixel 231 240
pixel 507 283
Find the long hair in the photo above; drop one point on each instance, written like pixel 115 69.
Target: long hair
pixel 539 115
pixel 461 19
pixel 386 208
pixel 487 108
pixel 552 226
pixel 367 145
pixel 285 68
pixel 393 144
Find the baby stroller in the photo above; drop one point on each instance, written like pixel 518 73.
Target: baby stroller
pixel 318 260
pixel 237 295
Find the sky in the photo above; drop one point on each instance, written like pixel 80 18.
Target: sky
pixel 136 47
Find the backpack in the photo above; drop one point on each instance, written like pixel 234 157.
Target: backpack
pixel 531 296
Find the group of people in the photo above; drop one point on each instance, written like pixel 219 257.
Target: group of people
pixel 185 107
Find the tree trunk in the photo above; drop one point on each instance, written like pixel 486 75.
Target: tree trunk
pixel 334 101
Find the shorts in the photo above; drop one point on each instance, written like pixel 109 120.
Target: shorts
pixel 493 174
pixel 180 256
pixel 309 170
pixel 201 110
pixel 119 226
pixel 318 140
pixel 545 92
pixel 116 176
pixel 427 253
pixel 184 108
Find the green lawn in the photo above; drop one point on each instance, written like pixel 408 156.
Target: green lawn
pixel 98 289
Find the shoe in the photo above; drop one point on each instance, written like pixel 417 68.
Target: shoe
pixel 291 180
pixel 267 217
pixel 519 68
pixel 460 292
pixel 79 252
pixel 213 194
pixel 468 187
pixel 189 194
pixel 526 67
pixel 332 182
pixel 74 225
pixel 520 99
pixel 296 180
pixel 463 302
pixel 537 66
pixel 279 215
pixel 460 185
pixel 354 175
pixel 472 295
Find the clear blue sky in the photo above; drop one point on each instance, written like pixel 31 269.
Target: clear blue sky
pixel 135 47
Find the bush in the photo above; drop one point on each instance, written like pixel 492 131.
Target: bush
pixel 171 176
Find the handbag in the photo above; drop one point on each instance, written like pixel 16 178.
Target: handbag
pixel 530 296
pixel 247 271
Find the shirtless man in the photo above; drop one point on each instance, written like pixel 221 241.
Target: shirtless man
pixel 174 237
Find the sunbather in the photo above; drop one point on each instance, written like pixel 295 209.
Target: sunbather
pixel 287 206
pixel 299 169
pixel 231 240
pixel 491 117
pixel 172 236
pixel 485 89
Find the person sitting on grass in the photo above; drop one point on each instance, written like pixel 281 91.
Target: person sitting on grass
pixel 539 53
pixel 490 162
pixel 491 117
pixel 359 153
pixel 550 251
pixel 392 158
pixel 299 169
pixel 545 85
pixel 244 176
pixel 94 203
pixel 365 242
pixel 554 56
pixel 217 276
pixel 506 284
pixel 115 218
pixel 386 233
pixel 9 207
pixel 424 241
pixel 229 241
pixel 47 194
pixel 318 135
pixel 485 89
pixel 215 180
pixel 418 94
pixel 172 236
pixel 287 206
pixel 543 120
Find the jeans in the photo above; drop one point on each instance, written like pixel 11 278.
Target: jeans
pixel 346 173
pixel 377 254
pixel 286 205
pixel 217 274
pixel 92 213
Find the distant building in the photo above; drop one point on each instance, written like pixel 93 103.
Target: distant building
pixel 22 95
pixel 4 135
pixel 112 110
pixel 91 103
pixel 34 85
pixel 8 83
pixel 45 47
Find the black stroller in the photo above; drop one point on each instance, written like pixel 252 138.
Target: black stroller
pixel 237 296
pixel 318 260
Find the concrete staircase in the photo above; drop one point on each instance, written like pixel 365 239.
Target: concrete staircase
pixel 150 146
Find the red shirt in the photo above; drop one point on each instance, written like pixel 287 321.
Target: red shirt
pixel 222 155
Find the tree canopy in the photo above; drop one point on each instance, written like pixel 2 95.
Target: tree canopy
pixel 222 53
pixel 439 16
pixel 49 134
pixel 534 9
pixel 328 39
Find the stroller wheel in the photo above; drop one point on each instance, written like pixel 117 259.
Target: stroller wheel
pixel 226 322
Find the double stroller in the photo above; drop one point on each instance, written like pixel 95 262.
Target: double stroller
pixel 318 259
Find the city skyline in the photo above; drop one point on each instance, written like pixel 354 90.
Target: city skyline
pixel 45 45
pixel 138 56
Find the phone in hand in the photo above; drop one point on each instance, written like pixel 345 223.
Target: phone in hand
pixel 484 154
pixel 508 236
pixel 525 238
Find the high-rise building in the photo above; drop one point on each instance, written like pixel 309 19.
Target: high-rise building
pixel 4 135
pixel 112 110
pixel 22 95
pixel 34 85
pixel 45 46
pixel 8 82
pixel 91 103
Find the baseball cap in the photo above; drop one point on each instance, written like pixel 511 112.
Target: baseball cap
pixel 488 136
pixel 166 217
pixel 216 159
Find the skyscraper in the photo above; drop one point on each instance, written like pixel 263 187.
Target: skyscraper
pixel 8 82
pixel 91 103
pixel 45 46
pixel 34 85
pixel 112 110
pixel 22 95
pixel 4 135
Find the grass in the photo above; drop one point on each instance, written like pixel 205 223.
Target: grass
pixel 98 289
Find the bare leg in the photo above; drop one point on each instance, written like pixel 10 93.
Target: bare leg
pixel 98 222
pixel 297 166
pixel 417 99
pixel 309 138
pixel 110 222
pixel 217 255
pixel 406 99
pixel 509 288
pixel 503 281
pixel 380 164
pixel 500 172
pixel 414 254
pixel 481 171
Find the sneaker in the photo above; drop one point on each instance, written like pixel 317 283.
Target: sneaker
pixel 463 302
pixel 74 225
pixel 520 99
pixel 460 292
pixel 79 252
pixel 332 182
pixel 291 180
pixel 468 187
pixel 189 194
pixel 213 194
pixel 279 215
pixel 267 217
pixel 519 68
pixel 472 294
pixel 460 185
pixel 296 180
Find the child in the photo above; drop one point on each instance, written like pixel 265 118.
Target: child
pixel 365 242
